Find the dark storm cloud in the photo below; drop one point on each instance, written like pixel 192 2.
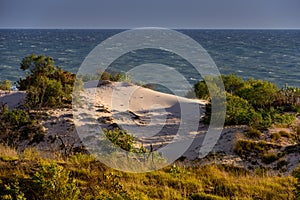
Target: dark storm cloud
pixel 141 13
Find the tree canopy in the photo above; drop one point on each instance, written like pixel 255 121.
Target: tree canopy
pixel 46 84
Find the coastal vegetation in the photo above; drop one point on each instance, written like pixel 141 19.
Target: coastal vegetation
pixel 45 84
pixel 29 173
pixel 255 103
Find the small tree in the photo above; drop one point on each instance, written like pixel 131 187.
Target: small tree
pixel 232 83
pixel 46 84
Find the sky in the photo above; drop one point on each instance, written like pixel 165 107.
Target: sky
pixel 198 14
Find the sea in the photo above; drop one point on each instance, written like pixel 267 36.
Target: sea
pixel 272 55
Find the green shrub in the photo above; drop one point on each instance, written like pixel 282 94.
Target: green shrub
pixel 122 139
pixel 264 100
pixel 285 118
pixel 46 84
pixel 12 190
pixel 54 182
pixel 201 90
pixel 5 85
pixel 239 111
pixel 17 126
pixel 232 83
pixel 260 94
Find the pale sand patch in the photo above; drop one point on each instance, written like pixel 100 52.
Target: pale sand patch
pixel 12 98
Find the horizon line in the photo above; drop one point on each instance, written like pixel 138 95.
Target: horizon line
pixel 123 28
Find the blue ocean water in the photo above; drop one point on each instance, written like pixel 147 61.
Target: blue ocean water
pixel 272 55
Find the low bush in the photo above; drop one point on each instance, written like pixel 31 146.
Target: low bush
pixel 17 126
pixel 246 147
pixel 270 158
pixel 253 133
pixel 5 85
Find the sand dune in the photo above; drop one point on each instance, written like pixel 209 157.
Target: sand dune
pixel 154 118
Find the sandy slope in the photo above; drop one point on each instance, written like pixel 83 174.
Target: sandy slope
pixel 155 119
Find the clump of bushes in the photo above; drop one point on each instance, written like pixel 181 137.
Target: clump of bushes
pixel 46 85
pixel 277 135
pixel 246 148
pixel 120 139
pixel 50 181
pixel 17 126
pixel 254 102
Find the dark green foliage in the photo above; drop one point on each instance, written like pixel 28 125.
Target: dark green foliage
pixel 239 111
pixel 201 90
pixel 281 164
pixel 17 126
pixel 270 158
pixel 109 76
pixel 254 102
pixel 120 138
pixel 50 181
pixel 46 85
pixel 232 83
pixel 260 94
pixel 246 147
